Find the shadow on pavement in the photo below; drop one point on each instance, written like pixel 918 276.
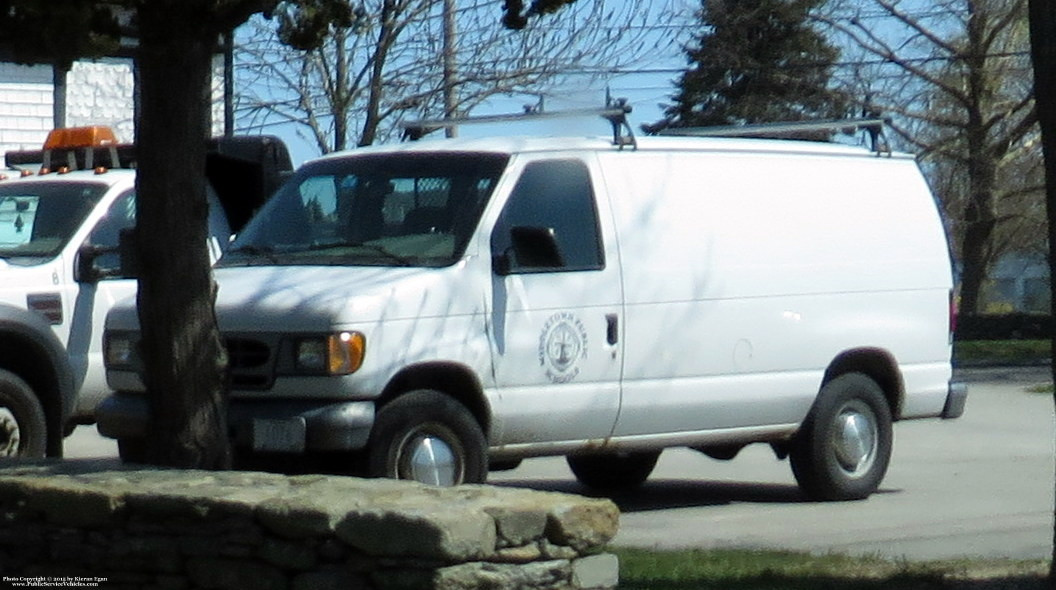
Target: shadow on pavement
pixel 663 494
pixel 1031 374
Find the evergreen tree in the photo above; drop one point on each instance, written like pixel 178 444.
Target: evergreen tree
pixel 756 61
pixel 516 16
pixel 57 32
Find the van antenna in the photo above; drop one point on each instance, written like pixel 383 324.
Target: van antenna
pixel 874 126
pixel 615 112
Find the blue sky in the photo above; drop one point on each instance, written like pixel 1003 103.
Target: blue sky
pixel 644 91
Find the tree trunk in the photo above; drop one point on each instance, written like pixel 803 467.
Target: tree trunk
pixel 974 261
pixel 981 218
pixel 1043 51
pixel 182 351
pixel 981 211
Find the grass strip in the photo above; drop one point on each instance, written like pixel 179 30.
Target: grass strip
pixel 745 569
pixel 1002 351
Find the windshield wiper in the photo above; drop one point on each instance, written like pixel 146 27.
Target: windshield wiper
pixel 262 251
pixel 402 261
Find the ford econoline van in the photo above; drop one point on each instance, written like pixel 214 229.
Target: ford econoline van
pixel 438 307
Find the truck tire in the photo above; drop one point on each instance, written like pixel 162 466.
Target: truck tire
pixel 844 446
pixel 429 437
pixel 23 426
pixel 613 471
pixel 132 450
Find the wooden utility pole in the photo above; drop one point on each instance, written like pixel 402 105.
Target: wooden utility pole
pixel 59 75
pixel 450 65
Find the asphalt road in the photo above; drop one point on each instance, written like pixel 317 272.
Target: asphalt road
pixel 982 485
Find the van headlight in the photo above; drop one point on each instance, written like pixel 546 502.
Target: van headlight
pixel 119 350
pixel 333 354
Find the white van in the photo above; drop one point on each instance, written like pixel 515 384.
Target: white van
pixel 440 306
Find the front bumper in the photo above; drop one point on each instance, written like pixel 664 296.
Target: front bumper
pixel 263 426
pixel 956 397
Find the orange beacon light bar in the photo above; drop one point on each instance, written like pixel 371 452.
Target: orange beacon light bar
pixel 79 137
pixel 73 138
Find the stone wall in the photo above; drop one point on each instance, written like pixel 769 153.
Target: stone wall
pixel 62 525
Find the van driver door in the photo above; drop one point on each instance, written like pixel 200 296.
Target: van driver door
pixel 556 309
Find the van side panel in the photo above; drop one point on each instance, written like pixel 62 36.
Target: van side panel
pixel 765 267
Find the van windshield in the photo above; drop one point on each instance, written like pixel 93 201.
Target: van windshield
pixel 37 219
pixel 376 210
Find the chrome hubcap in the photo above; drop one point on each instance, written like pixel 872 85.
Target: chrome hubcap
pixel 10 434
pixel 432 461
pixel 855 439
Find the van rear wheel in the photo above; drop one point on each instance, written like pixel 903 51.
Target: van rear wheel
pixel 23 426
pixel 428 437
pixel 843 449
pixel 613 471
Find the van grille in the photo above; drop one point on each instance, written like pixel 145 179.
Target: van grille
pixel 249 363
pixel 247 354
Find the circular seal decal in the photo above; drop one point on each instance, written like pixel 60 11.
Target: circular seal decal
pixel 562 344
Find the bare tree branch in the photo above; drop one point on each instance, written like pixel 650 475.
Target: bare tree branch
pixel 396 70
pixel 961 97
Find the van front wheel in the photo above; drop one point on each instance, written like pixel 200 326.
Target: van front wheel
pixel 843 448
pixel 428 437
pixel 613 471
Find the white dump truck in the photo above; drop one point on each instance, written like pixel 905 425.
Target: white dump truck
pixel 62 209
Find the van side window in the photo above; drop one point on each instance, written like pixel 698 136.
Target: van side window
pixel 551 205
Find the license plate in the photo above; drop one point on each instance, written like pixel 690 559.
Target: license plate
pixel 279 436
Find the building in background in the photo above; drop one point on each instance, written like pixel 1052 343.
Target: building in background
pixel 99 92
pixel 1017 283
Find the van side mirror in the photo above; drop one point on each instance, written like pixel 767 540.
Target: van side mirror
pixel 531 248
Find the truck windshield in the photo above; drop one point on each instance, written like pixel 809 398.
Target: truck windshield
pixel 37 219
pixel 375 210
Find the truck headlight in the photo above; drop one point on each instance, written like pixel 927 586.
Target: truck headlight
pixel 335 354
pixel 119 350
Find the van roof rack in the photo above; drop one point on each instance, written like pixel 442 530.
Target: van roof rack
pixel 873 126
pixel 615 113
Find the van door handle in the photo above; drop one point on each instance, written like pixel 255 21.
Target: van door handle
pixel 612 333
